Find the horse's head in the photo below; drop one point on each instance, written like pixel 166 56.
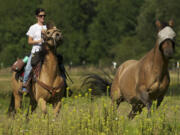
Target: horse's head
pixel 52 37
pixel 166 37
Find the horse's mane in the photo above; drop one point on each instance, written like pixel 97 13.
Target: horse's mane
pixel 42 53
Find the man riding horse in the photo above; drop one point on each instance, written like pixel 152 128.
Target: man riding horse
pixel 47 79
pixel 35 39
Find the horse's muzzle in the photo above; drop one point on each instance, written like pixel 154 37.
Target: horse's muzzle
pixel 169 53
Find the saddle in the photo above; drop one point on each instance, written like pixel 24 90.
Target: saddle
pixel 20 64
pixel 36 63
pixel 18 67
pixel 32 77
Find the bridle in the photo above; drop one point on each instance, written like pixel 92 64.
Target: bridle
pixel 50 37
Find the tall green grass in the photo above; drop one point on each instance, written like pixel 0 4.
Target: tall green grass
pixel 82 115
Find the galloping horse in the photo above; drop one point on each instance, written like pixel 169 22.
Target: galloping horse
pixel 49 85
pixel 140 82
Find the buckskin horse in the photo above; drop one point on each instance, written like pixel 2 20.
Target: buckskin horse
pixel 48 86
pixel 139 82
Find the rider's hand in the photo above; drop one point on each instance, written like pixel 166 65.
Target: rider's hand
pixel 40 41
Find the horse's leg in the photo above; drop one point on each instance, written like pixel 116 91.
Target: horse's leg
pixel 42 105
pixel 116 95
pixel 11 105
pixel 159 100
pixel 116 103
pixel 144 97
pixel 135 109
pixel 18 101
pixel 33 102
pixel 33 105
pixel 164 87
pixel 57 108
pixel 116 100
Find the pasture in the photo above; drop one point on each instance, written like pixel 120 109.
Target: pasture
pixel 82 115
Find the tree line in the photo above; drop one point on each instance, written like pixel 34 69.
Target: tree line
pixel 95 31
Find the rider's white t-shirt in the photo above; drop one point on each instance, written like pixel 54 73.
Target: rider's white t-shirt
pixel 35 32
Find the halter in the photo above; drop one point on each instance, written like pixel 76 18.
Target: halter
pixel 166 33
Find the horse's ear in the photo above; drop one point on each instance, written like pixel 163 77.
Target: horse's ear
pixel 171 23
pixel 158 24
pixel 50 25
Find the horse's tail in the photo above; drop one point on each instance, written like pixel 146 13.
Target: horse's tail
pixel 99 85
pixel 11 105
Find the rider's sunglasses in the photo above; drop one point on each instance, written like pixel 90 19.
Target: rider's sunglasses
pixel 41 16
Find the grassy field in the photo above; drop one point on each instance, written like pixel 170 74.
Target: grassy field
pixel 82 116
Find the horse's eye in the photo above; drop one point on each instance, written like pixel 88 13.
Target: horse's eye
pixel 48 33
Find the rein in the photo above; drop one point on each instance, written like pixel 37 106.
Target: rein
pixel 50 89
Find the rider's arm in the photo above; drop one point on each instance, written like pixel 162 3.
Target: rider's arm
pixel 32 42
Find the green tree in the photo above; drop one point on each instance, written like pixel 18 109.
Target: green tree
pixel 73 18
pixel 16 17
pixel 151 11
pixel 129 48
pixel 115 20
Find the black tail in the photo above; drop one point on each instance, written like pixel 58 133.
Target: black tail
pixel 99 85
pixel 12 105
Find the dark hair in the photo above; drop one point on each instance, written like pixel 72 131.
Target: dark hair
pixel 38 10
